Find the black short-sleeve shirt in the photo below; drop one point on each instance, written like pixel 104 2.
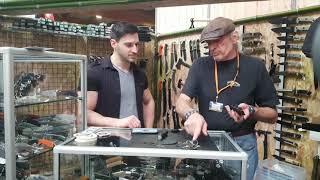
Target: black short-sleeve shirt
pixel 255 87
pixel 104 78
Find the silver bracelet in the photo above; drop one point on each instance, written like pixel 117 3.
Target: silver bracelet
pixel 189 113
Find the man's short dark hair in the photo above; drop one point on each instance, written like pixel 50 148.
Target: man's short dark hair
pixel 120 29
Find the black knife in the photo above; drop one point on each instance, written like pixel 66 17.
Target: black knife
pixel 251 35
pixel 290 46
pixel 291 64
pixel 296 92
pixel 293 117
pixel 291 20
pixel 287 160
pixel 291 108
pixel 289 134
pixel 291 56
pixel 292 38
pixel 288 152
pixel 290 99
pixel 285 141
pixel 289 125
pixel 290 73
pixel 290 29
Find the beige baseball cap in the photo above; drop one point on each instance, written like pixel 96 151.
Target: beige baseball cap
pixel 217 28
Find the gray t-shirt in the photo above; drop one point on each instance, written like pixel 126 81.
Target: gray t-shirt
pixel 128 104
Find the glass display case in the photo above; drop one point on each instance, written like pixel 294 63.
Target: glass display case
pixel 42 103
pixel 150 154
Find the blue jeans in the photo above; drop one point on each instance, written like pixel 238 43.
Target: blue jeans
pixel 248 144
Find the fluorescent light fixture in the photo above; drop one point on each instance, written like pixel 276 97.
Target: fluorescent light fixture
pixel 98 17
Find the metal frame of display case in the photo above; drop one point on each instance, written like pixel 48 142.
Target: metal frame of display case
pixel 8 79
pixel 152 152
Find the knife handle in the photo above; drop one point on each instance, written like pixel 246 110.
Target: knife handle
pixel 311 127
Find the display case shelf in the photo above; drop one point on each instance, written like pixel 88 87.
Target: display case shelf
pixel 46 100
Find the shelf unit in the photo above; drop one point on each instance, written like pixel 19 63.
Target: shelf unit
pixel 63 67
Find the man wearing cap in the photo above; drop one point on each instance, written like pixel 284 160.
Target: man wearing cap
pixel 223 79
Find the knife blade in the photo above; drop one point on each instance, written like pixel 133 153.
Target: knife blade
pixel 285 141
pixel 289 134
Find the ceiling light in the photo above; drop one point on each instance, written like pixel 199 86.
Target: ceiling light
pixel 98 17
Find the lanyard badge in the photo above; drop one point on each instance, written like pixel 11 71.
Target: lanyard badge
pixel 216 106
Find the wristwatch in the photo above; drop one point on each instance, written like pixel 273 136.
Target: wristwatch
pixel 251 110
pixel 188 114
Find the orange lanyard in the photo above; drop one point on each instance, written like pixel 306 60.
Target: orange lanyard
pixel 231 83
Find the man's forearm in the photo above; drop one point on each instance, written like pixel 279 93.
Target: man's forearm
pixel 183 106
pixel 265 114
pixel 96 119
pixel 148 114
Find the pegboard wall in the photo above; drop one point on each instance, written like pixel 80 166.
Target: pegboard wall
pixel 256 39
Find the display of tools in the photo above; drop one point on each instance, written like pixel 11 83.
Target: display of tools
pixel 290 46
pixel 293 117
pixel 290 135
pixel 290 99
pixel 296 92
pixel 291 64
pixel 291 20
pixel 287 152
pixel 290 29
pixel 285 141
pixel 292 38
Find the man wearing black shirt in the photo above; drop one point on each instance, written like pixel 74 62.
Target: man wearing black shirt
pixel 118 94
pixel 228 78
